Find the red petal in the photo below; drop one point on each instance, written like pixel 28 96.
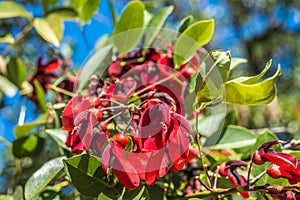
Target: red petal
pixel 281 159
pixel 153 167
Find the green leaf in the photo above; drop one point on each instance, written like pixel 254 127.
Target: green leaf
pixel 42 177
pixel 41 97
pixel 135 194
pixel 7 87
pixel 8 38
pixel 66 13
pixel 263 137
pixel 128 30
pixel 235 137
pixel 10 9
pixel 86 174
pixel 210 80
pixel 86 8
pixel 195 36
pixel 51 2
pixel 254 79
pixel 50 28
pixel 156 22
pixel 23 130
pixel 96 64
pixel 27 146
pixel 251 94
pixel 16 71
pixel 235 62
pixel 59 135
pixel 185 23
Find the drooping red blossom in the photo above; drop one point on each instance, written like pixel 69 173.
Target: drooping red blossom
pixel 229 170
pixel 160 135
pixel 284 165
pixel 79 118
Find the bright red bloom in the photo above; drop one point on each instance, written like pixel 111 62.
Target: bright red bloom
pixel 229 170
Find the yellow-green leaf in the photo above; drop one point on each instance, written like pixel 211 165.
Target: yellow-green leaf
pixel 8 38
pixel 195 36
pixel 128 30
pixel 50 28
pixel 251 94
pixel 10 9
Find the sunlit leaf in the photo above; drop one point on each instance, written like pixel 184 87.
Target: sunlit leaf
pixel 50 28
pixel 128 30
pixel 86 174
pixel 135 194
pixel 23 130
pixel 251 94
pixel 86 8
pixel 42 177
pixel 16 71
pixel 185 23
pixel 7 87
pixel 8 38
pixel 156 23
pixel 10 9
pixel 195 36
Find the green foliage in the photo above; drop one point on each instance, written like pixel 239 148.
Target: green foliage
pixel 155 24
pixel 86 8
pixel 197 35
pixel 42 177
pixel 27 146
pixel 128 30
pixel 10 9
pixel 40 95
pixel 235 137
pixel 50 28
pixel 7 87
pixel 16 71
pixel 23 130
pixel 86 174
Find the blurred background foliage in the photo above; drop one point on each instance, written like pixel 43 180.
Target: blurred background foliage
pixel 258 30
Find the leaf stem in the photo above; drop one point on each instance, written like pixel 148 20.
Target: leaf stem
pixel 63 91
pixel 113 13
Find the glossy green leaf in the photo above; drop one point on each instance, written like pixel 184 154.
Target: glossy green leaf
pixel 254 79
pixel 7 87
pixel 41 97
pixel 8 38
pixel 10 9
pixel 51 2
pixel 86 174
pixel 235 137
pixel 86 8
pixel 96 64
pixel 23 130
pixel 43 176
pixel 251 94
pixel 155 24
pixel 128 30
pixel 66 13
pixel 50 28
pixel 16 71
pixel 195 36
pixel 235 62
pixel 27 146
pixel 185 23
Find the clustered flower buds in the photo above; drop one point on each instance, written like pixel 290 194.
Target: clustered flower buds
pixel 147 91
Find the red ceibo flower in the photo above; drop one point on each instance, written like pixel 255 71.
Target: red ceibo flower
pixel 229 170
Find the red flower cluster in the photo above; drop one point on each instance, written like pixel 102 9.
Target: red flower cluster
pixel 284 165
pixel 157 137
pixel 48 72
pixel 229 170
